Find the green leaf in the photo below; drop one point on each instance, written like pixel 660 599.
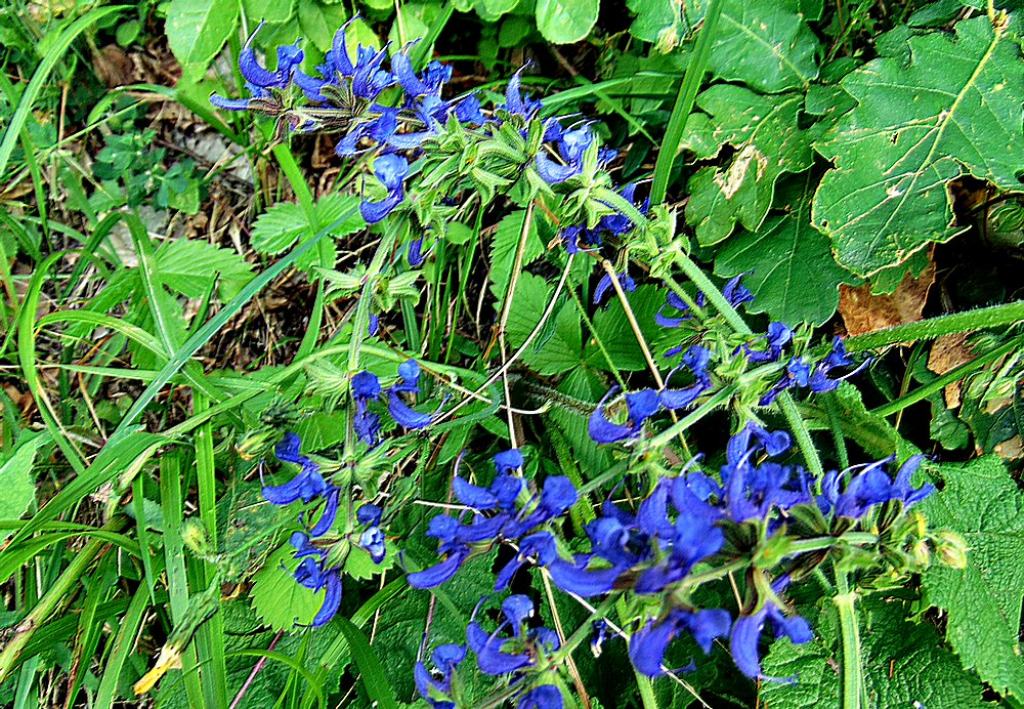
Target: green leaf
pixel 492 10
pixel 277 229
pixel 617 335
pixel 766 45
pixel 566 21
pixel 360 565
pixel 503 251
pixel 558 346
pixel 278 598
pixel 270 11
pixel 189 266
pixel 370 670
pixel 905 665
pixel 768 143
pixel 789 265
pixel 197 29
pixel 16 479
pixel 319 21
pixel 657 21
pixel 980 501
pixel 954 109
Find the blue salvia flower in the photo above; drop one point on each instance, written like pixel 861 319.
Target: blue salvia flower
pixel 627 283
pixel 436 687
pixel 415 254
pixel 640 405
pixel 403 414
pixel 516 103
pixel 499 654
pixel 570 147
pixel 673 301
pixel 546 696
pixel 777 337
pixel 307 485
pixel 366 388
pixel 746 631
pixel 648 645
pixel 260 81
pixel 696 359
pixel 391 171
pixel 871 486
pixel 619 224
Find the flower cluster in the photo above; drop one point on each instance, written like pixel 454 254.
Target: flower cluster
pixel 366 388
pixel 692 518
pixel 317 568
pixel 511 649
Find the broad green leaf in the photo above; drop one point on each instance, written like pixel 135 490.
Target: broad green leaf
pixel 17 481
pixel 278 598
pixel 492 10
pixel 268 10
pixel 954 109
pixel 982 603
pixel 319 21
pixel 558 346
pixel 566 21
pixel 189 266
pixel 657 21
pixel 616 334
pixel 417 18
pixel 197 29
pixel 503 251
pixel 766 45
pixel 277 229
pixel 905 665
pixel 788 264
pixel 768 143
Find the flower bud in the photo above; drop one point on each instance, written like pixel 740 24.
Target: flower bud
pixel 921 553
pixel 193 534
pixel 952 549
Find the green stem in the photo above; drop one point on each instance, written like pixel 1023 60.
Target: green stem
pixel 940 383
pixel 684 102
pixel 802 546
pixel 932 328
pixel 61 591
pixel 853 680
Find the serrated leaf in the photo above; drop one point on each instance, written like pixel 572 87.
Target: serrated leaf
pixel 980 501
pixel 503 251
pixel 197 29
pixel 905 665
pixel 566 21
pixel 359 565
pixel 277 229
pixel 558 347
pixel 954 108
pixel 189 266
pixel 280 600
pixel 16 479
pixel 767 142
pixel 766 45
pixel 789 265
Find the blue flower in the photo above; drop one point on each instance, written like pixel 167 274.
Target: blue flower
pixel 366 388
pixel 869 487
pixel 415 254
pixel 777 337
pixel 391 170
pixel 439 573
pixel 570 146
pixel 619 224
pixel 311 574
pixel 546 696
pixel 488 650
pixel 648 645
pixel 372 540
pixel 258 80
pixel 672 300
pixel 576 577
pixel 696 360
pixel 627 283
pixel 307 485
pixel 736 293
pixel 641 405
pixel 517 104
pixel 436 688
pixel 369 514
pixel 409 377
pixel 746 632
